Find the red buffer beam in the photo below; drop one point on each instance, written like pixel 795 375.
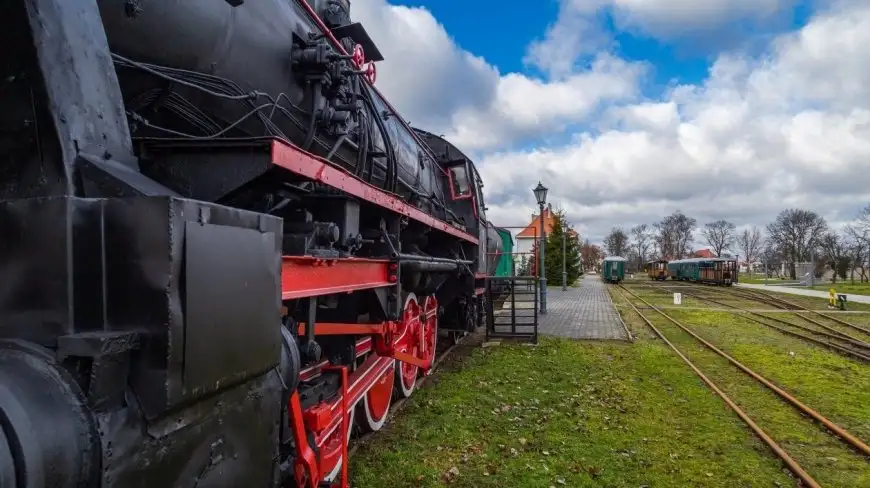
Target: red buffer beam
pixel 310 166
pixel 304 276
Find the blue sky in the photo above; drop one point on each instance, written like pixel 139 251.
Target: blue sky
pixel 501 32
pixel 772 102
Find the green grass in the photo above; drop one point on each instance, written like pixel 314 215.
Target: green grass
pixel 836 386
pixel 813 303
pixel 567 413
pixel 847 287
pixel 755 280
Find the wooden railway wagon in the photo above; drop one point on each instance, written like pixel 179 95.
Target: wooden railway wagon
pixel 657 269
pixel 714 271
pixel 613 269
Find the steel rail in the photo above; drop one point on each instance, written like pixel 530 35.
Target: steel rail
pixel 778 303
pixel 790 304
pixel 843 433
pixel 793 465
pixel 834 333
pixel 837 347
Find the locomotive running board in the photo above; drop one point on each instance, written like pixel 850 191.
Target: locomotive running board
pixel 305 276
pixel 310 166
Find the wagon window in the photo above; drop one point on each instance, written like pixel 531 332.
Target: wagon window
pixel 459 185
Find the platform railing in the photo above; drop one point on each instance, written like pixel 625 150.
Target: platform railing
pixel 512 307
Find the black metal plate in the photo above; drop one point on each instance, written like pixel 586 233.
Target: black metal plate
pixel 232 305
pixel 358 33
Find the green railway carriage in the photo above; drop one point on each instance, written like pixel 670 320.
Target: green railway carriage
pixel 613 269
pixel 715 271
pixel 505 266
pixel 501 264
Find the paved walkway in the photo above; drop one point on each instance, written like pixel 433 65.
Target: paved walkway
pixel 582 313
pixel 807 293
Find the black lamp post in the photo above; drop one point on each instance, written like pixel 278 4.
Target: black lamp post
pixel 540 192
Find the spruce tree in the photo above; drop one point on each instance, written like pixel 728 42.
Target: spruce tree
pixel 553 255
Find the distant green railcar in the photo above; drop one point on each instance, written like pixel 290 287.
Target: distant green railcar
pixel 715 271
pixel 613 269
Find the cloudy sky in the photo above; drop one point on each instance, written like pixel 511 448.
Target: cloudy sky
pixel 631 109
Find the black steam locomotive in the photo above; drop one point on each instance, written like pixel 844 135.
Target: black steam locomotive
pixel 223 251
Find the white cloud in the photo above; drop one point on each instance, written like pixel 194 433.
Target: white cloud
pixel 790 127
pixel 446 90
pixel 666 18
pixel 524 106
pixel 578 30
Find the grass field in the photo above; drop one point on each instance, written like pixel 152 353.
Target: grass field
pixel 841 287
pixel 847 287
pixel 758 280
pixel 570 413
pixel 837 387
pixel 567 414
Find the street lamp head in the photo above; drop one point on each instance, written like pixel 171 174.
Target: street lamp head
pixel 540 192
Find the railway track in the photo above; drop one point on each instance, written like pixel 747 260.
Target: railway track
pixel 785 304
pixel 818 333
pixel 846 437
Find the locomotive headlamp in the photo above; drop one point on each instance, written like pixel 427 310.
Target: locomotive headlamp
pixel 540 192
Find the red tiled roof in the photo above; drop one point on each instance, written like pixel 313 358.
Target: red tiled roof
pixel 704 253
pixel 534 228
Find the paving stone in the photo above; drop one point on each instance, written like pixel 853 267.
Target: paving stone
pixel 582 313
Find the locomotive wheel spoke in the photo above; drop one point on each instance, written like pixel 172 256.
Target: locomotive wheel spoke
pixel 430 328
pixel 409 341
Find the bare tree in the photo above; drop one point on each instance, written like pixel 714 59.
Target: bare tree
pixel 772 258
pixel 641 241
pixel 720 235
pixel 750 244
pixel 836 251
pixel 590 254
pixel 797 232
pixel 858 236
pixel 616 243
pixel 674 235
pixel 863 221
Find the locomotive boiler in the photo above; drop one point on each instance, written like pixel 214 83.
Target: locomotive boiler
pixel 224 252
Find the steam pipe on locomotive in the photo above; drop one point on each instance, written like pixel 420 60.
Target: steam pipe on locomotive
pixel 223 249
